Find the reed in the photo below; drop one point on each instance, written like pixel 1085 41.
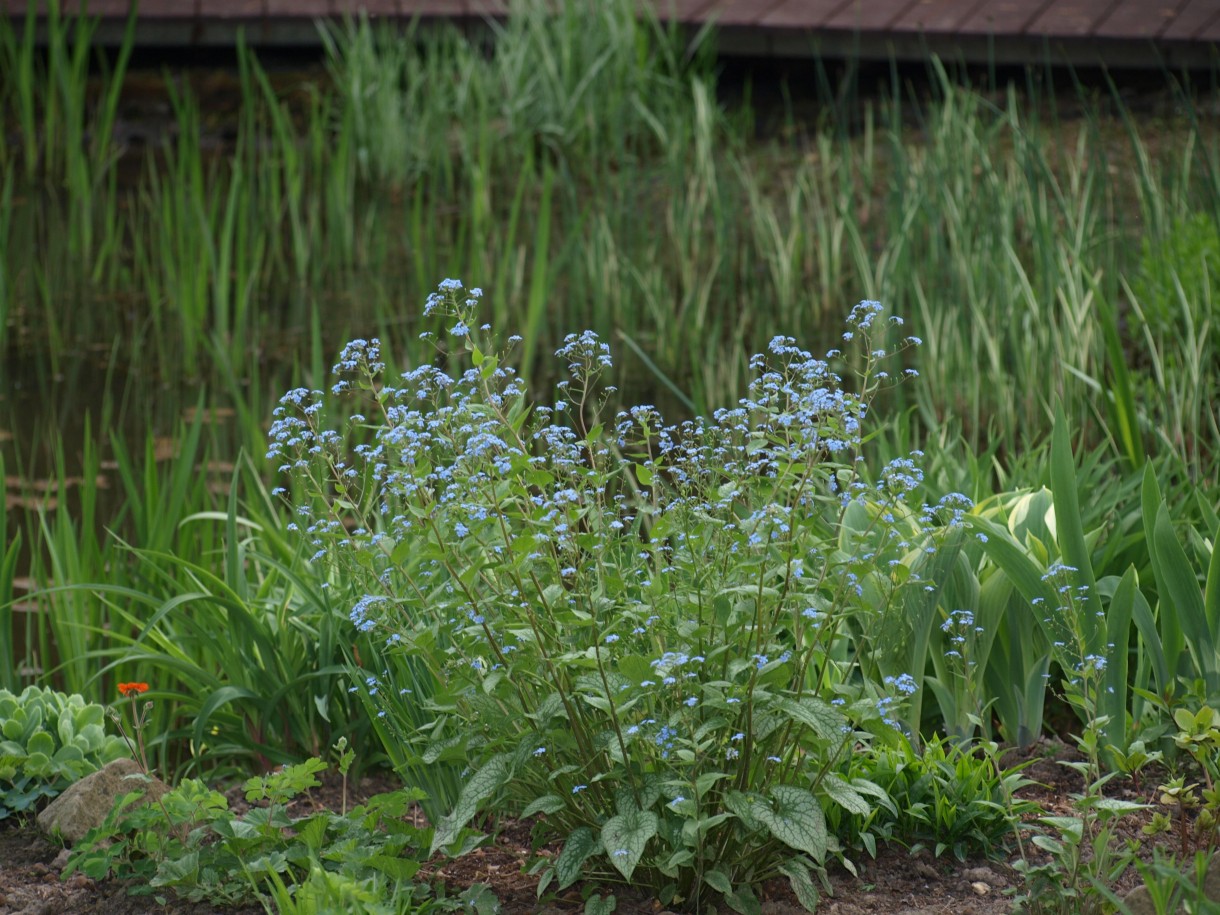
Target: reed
pixel 983 214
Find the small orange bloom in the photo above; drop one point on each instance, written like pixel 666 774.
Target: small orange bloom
pixel 132 689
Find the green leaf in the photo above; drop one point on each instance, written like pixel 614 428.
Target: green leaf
pixel 596 905
pixel 743 901
pixel 481 785
pixel 704 783
pixel 393 866
pixel 312 832
pixel 1180 589
pixel 797 872
pixel 548 803
pixel 1069 528
pixel 845 795
pixel 820 717
pixel 742 806
pixel 1211 594
pixel 795 818
pixel 719 881
pixel 1010 557
pixel 41 743
pixel 177 870
pixel 1118 633
pixel 625 836
pixel 1184 719
pixel 39 765
pixel 571 861
pixel 1116 805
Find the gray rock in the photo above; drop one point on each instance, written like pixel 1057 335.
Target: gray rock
pixel 86 803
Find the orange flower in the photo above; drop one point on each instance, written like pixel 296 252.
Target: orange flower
pixel 132 689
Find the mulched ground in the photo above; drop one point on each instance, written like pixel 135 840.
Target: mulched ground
pixel 897 883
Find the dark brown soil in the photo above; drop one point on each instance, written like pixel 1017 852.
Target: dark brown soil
pixel 896 883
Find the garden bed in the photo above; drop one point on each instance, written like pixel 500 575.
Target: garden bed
pixel 898 881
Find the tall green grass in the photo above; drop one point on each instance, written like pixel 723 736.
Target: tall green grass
pixel 583 169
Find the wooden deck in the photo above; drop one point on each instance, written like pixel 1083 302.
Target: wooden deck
pixel 1118 33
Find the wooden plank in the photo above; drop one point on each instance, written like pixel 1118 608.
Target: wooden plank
pixel 867 15
pixel 298 9
pixel 681 10
pixel 1137 19
pixel 116 9
pixel 412 8
pixel 1210 33
pixel 1192 18
pixel 168 9
pixel 937 15
pixel 215 9
pixel 373 8
pixel 1074 18
pixel 1001 17
pixel 798 14
pixel 738 12
pixel 484 8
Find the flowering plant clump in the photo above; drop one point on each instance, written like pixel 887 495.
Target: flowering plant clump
pixel 661 638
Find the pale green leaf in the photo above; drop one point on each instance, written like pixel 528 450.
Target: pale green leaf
pixel 481 785
pixel 548 803
pixel 625 836
pixel 571 861
pixel 820 717
pixel 794 816
pixel 797 872
pixel 719 881
pixel 845 795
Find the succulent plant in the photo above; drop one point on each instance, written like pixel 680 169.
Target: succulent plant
pixel 47 741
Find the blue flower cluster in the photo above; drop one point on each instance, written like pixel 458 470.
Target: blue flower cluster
pixel 662 579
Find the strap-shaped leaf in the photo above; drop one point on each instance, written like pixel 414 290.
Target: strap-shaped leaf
pixel 482 784
pixel 1211 592
pixel 794 816
pixel 625 836
pixel 1118 634
pixel 1010 557
pixel 1069 527
pixel 1179 587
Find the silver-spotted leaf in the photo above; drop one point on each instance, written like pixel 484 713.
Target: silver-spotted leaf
pixel 794 816
pixel 548 803
pixel 845 795
pixel 797 872
pixel 820 717
pixel 482 784
pixel 571 861
pixel 625 836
